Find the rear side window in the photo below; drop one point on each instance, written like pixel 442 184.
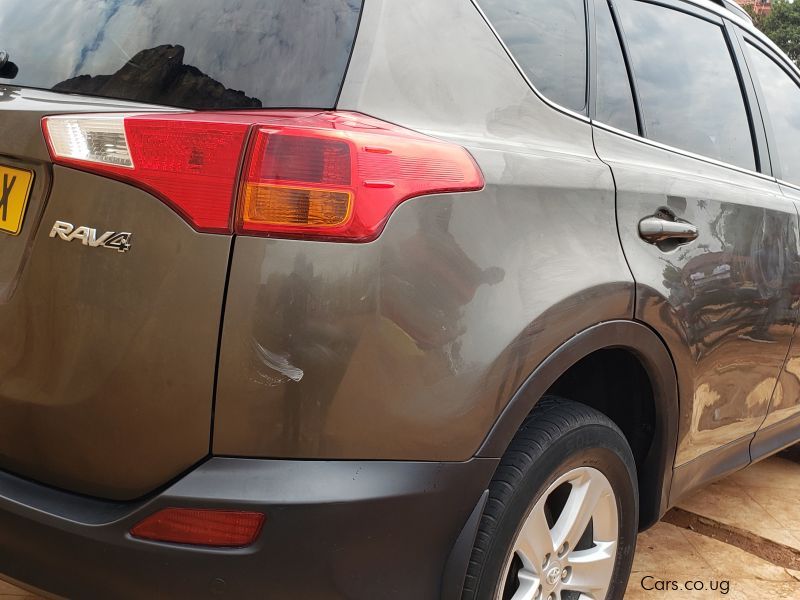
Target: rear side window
pixel 782 98
pixel 689 90
pixel 615 105
pixel 211 54
pixel 548 40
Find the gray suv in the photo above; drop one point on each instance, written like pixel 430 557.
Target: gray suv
pixel 370 299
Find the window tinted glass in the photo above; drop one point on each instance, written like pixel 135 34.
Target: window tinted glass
pixel 782 98
pixel 188 53
pixel 689 91
pixel 548 39
pixel 615 105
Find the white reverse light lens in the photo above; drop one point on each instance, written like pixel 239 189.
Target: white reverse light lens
pixel 99 139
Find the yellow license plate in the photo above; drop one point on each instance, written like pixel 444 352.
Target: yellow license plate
pixel 15 187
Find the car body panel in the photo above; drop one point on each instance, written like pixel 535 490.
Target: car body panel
pixel 785 406
pixel 408 348
pixel 106 358
pixel 726 302
pixel 714 299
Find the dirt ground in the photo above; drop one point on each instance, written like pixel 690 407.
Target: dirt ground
pixel 738 538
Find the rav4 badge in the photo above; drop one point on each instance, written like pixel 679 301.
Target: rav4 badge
pixel 119 241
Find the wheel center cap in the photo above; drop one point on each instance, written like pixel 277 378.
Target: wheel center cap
pixel 553 575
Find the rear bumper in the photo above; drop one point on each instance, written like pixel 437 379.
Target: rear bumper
pixel 333 530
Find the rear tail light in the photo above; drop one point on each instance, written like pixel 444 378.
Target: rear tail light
pixel 189 163
pixel 99 140
pixel 218 528
pixel 332 176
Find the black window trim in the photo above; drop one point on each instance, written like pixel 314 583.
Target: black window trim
pixel 584 116
pixel 748 94
pixel 637 105
pixel 350 56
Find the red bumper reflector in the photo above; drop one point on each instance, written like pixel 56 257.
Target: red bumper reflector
pixel 198 527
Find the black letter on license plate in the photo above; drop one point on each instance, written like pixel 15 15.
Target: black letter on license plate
pixel 7 187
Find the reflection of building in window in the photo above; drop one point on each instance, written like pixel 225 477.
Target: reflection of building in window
pixel 761 7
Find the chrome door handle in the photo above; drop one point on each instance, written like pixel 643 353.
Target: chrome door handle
pixel 657 229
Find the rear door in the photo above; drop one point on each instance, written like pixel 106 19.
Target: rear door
pixel 778 85
pixel 111 295
pixel 708 236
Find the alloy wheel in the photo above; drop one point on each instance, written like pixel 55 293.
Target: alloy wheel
pixel 567 545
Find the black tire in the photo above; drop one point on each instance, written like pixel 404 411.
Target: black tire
pixel 558 436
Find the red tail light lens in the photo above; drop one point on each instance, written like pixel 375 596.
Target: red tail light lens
pixel 189 161
pixel 191 164
pixel 340 177
pixel 332 176
pixel 295 181
pixel 218 528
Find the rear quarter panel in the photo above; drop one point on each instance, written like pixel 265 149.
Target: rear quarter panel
pixel 410 346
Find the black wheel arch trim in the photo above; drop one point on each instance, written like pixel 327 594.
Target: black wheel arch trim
pixel 652 352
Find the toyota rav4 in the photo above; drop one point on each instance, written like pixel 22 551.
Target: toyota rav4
pixel 384 299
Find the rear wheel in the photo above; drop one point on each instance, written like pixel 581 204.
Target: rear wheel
pixel 562 514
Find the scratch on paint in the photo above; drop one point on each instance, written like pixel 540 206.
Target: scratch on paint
pixel 278 363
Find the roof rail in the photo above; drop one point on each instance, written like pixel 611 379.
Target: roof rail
pixel 734 8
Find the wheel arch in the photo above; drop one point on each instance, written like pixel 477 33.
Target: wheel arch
pixel 645 345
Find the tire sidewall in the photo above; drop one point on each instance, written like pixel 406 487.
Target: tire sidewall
pixel 594 446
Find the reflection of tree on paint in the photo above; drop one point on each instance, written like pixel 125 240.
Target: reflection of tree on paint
pixel 158 76
pixel 429 307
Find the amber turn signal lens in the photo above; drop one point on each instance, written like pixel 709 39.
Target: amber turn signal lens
pixel 198 527
pixel 279 205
